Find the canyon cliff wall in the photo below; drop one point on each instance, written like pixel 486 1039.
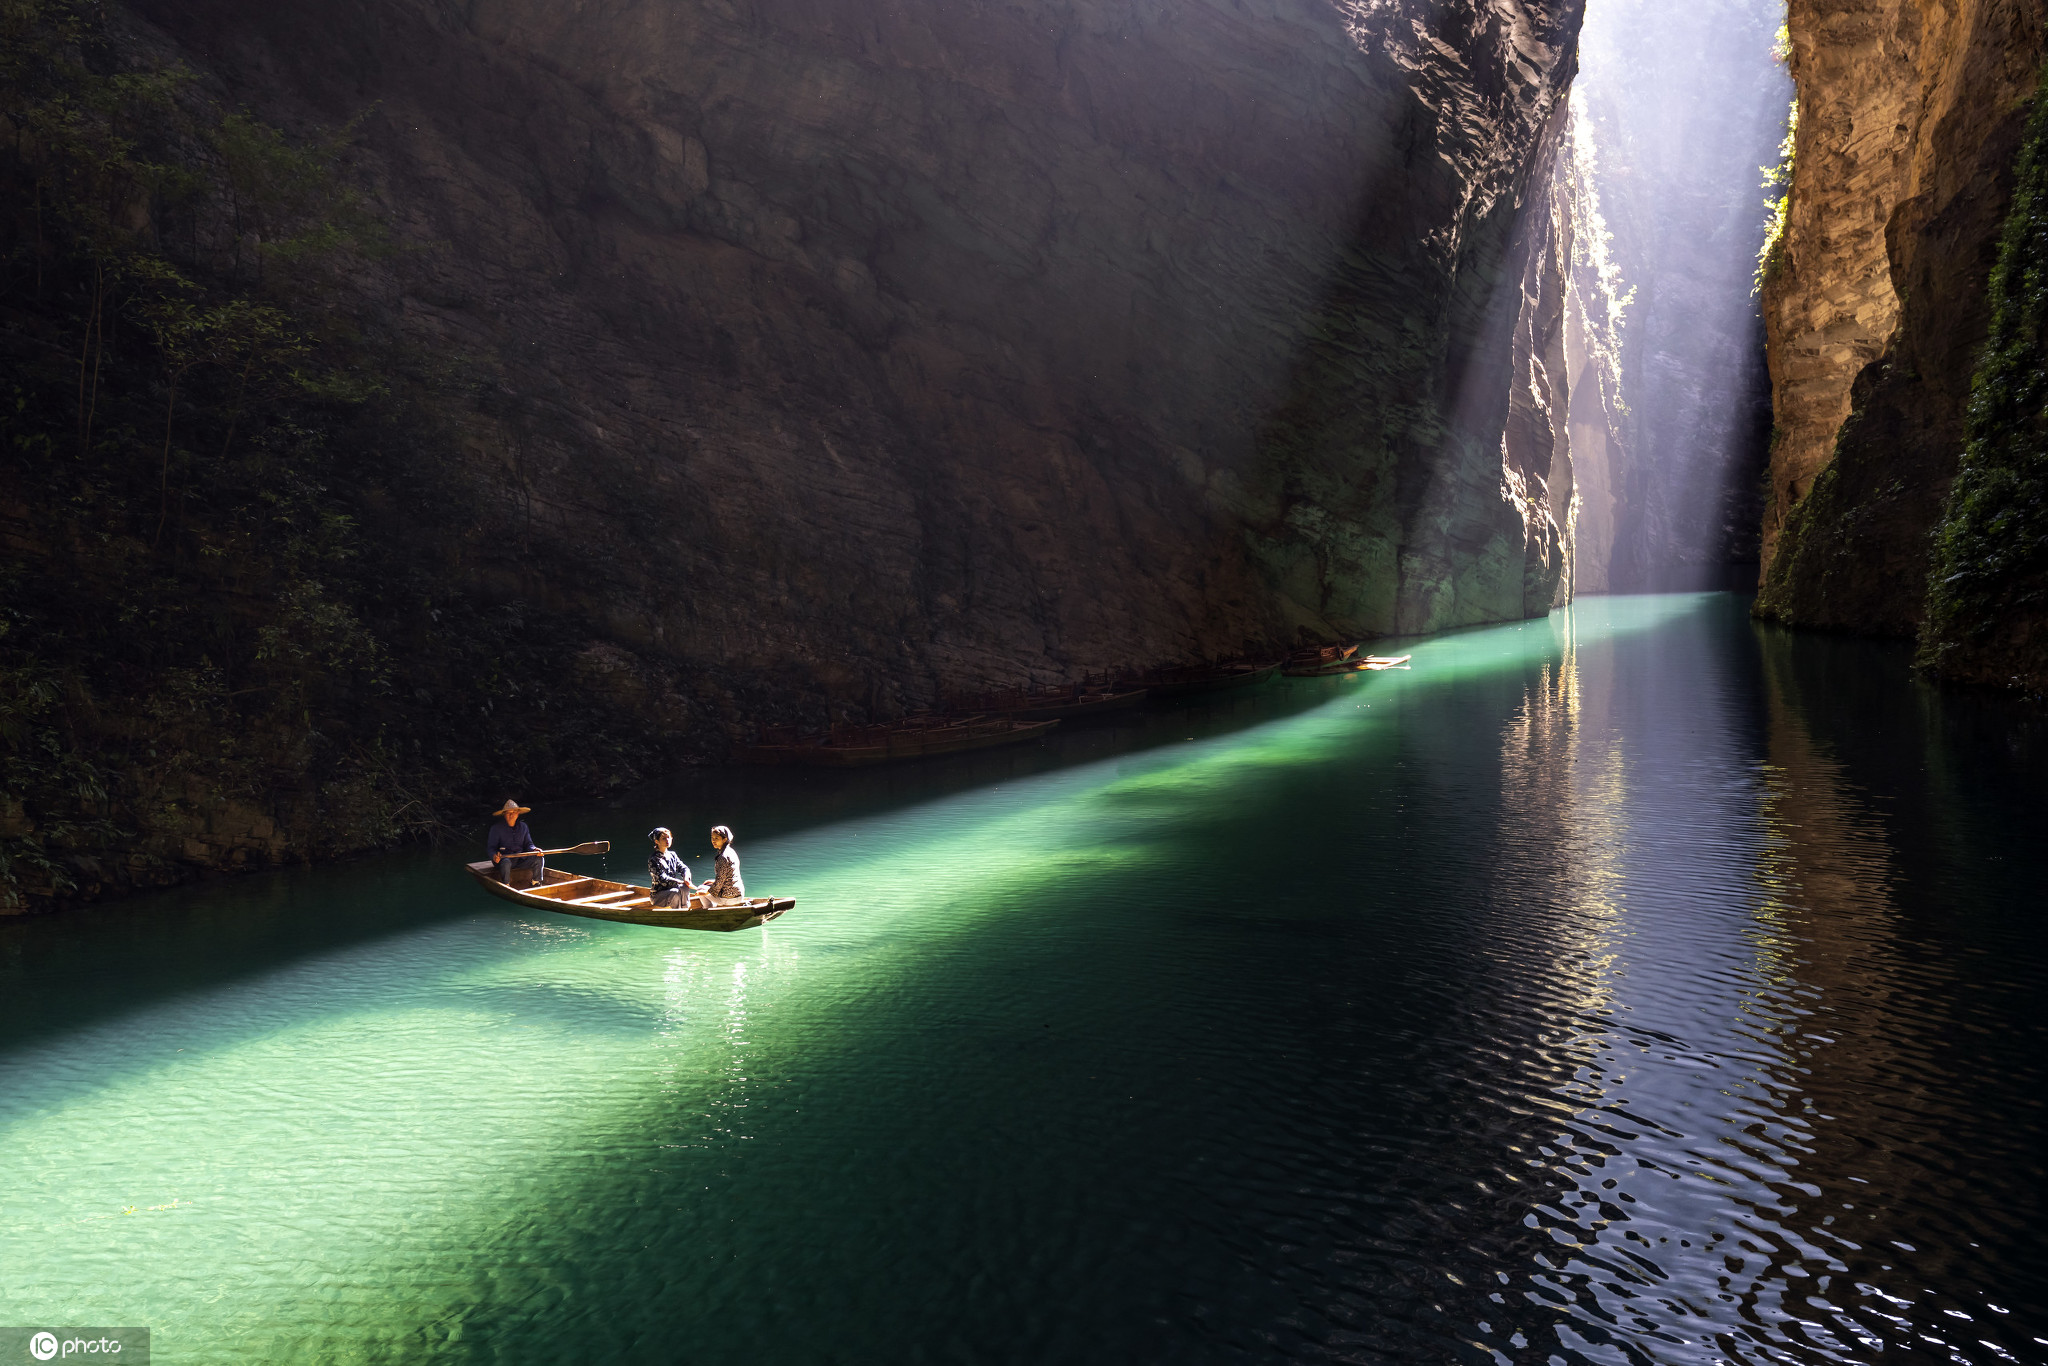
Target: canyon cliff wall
pixel 1911 115
pixel 923 345
pixel 755 361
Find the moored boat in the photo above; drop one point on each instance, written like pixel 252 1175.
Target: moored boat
pixel 1325 659
pixel 1370 664
pixel 914 738
pixel 1335 666
pixel 596 898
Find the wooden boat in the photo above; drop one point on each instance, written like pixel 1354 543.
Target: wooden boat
pixel 1324 670
pixel 1201 678
pixel 1334 666
pixel 1370 664
pixel 1326 659
pixel 1057 702
pixel 597 899
pixel 921 737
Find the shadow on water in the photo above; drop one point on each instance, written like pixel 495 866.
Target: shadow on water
pixel 124 955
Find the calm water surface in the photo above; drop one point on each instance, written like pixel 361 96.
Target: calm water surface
pixel 1631 986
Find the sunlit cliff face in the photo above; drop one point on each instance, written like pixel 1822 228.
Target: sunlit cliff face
pixel 1913 116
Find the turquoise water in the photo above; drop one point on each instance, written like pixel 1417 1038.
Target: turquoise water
pixel 1636 985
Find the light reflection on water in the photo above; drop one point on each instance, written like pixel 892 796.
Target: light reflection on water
pixel 1678 1120
pixel 1629 987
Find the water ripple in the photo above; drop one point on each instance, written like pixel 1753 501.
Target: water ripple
pixel 1634 987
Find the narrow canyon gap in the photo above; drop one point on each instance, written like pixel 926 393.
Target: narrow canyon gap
pixel 1678 109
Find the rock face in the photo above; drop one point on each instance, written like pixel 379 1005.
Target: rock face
pixel 839 353
pixel 1910 114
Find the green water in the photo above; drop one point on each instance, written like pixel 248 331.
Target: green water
pixel 1634 985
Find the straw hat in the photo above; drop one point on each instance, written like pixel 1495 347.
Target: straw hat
pixel 511 805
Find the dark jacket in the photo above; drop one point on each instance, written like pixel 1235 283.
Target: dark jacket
pixel 668 872
pixel 510 839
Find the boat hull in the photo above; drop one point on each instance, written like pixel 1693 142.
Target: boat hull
pixel 630 905
pixel 1331 659
pixel 1370 664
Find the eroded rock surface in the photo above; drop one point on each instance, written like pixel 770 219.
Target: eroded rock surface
pixel 1910 116
pixel 841 352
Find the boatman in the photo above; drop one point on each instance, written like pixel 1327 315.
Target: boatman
pixel 508 837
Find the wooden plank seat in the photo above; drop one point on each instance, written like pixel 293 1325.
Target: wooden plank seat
pixel 602 898
pixel 567 886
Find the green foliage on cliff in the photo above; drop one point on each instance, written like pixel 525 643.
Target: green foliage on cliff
pixel 228 513
pixel 1987 601
pixel 1777 597
pixel 1777 201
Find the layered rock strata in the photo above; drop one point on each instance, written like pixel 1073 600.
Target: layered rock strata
pixel 1910 115
pixel 896 348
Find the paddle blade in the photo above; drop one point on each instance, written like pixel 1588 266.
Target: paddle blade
pixel 594 847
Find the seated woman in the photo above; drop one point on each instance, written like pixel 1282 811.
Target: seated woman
pixel 725 884
pixel 668 874
pixel 512 837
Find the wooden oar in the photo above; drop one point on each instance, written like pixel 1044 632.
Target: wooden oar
pixel 594 847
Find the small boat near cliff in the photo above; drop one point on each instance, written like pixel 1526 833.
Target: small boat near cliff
pixel 1201 678
pixel 922 737
pixel 1335 666
pixel 1370 664
pixel 1318 660
pixel 596 898
pixel 1312 663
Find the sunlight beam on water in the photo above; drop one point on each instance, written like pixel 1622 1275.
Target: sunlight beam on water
pixel 120 1164
pixel 1645 1174
pixel 1504 963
